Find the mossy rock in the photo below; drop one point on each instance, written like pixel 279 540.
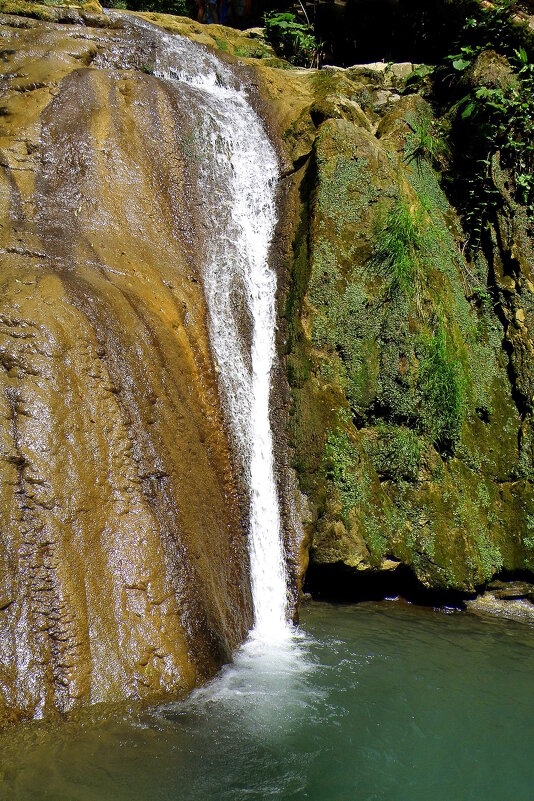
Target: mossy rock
pixel 385 484
pixel 90 11
pixel 490 69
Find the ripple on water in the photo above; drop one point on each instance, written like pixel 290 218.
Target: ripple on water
pixel 378 701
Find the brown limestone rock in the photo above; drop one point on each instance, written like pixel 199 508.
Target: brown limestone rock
pixel 123 561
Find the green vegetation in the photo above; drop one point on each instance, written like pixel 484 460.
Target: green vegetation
pixel 423 144
pixel 404 424
pixel 489 556
pixel 442 387
pixel 528 541
pixel 399 251
pixel 341 460
pixel 493 124
pixel 395 452
pixel 293 40
pixel 489 26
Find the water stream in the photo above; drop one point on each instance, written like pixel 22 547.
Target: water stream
pixel 379 702
pixel 238 172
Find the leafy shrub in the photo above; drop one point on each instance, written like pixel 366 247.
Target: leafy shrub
pixel 491 26
pixel 494 125
pixel 442 388
pixel 293 40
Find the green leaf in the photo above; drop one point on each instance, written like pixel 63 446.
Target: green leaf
pixel 461 64
pixel 468 110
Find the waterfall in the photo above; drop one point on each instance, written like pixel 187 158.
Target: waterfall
pixel 238 174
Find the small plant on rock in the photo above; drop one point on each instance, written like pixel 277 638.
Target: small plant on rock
pixel 442 387
pixel 398 251
pixel 422 144
pixel 293 40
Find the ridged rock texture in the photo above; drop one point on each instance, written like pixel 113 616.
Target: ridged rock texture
pixel 123 560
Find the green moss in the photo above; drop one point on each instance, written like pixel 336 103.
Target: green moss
pixel 342 174
pixel 253 50
pixel 489 556
pixel 395 452
pixel 525 464
pixel 442 386
pixel 425 182
pixel 341 461
pixel 375 539
pixel 34 10
pixel 528 542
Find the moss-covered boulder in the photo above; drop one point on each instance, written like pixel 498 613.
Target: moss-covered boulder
pixel 407 434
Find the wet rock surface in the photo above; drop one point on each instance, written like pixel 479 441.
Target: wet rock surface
pixel 378 491
pixel 123 560
pixel 380 486
pixel 509 602
pixel 512 590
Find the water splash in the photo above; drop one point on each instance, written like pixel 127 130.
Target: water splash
pixel 238 172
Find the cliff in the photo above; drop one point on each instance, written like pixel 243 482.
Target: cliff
pixel 123 558
pixel 408 354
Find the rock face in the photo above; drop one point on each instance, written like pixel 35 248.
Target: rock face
pixel 410 367
pixel 512 600
pixel 123 561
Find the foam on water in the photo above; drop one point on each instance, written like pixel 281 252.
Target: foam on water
pixel 382 701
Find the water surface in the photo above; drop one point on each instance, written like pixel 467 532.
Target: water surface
pixel 375 702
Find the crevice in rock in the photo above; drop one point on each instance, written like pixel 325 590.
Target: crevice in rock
pixel 489 248
pixel 339 583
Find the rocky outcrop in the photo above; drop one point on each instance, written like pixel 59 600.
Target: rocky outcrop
pixel 123 560
pixel 410 434
pixel 512 600
pixel 409 414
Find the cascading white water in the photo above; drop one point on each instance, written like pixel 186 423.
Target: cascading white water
pixel 238 173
